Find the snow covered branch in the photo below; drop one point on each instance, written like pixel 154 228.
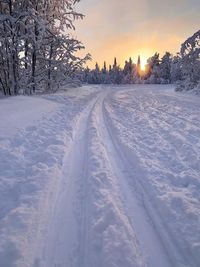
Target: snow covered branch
pixel 35 45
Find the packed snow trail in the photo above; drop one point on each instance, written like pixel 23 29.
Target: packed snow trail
pixel 105 206
pixel 102 177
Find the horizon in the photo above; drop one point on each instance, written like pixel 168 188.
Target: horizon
pixel 147 27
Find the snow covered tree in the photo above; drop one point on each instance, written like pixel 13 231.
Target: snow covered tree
pixel 105 78
pixel 153 69
pixel 104 69
pixel 129 71
pixel 165 68
pixel 190 62
pixel 116 73
pixel 138 68
pixel 175 71
pixel 115 63
pixel 9 45
pixel 36 50
pixel 94 76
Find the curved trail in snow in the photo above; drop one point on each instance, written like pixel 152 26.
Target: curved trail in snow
pixel 98 219
pixel 101 176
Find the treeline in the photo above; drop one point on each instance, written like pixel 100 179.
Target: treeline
pixel 37 53
pixel 156 71
pixel 183 69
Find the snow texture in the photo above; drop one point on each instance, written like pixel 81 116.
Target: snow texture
pixel 100 176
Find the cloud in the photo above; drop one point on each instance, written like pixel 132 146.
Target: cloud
pixel 124 28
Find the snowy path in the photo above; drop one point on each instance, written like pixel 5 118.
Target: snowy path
pixel 121 181
pixel 94 166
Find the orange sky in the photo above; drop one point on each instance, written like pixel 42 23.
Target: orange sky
pixel 129 27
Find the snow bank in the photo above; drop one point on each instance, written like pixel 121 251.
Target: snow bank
pixel 19 112
pixel 100 176
pixel 35 133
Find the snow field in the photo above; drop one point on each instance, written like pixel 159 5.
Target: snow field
pixel 161 133
pixel 100 176
pixel 32 151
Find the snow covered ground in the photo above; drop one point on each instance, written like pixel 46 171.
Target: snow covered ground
pixel 100 176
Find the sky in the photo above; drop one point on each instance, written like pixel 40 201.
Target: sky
pixel 128 28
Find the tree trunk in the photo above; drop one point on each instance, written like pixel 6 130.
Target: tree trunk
pixel 33 69
pixel 34 56
pixel 49 67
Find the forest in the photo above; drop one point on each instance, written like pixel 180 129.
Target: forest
pixel 38 53
pixel 37 50
pixel 99 163
pixel 183 69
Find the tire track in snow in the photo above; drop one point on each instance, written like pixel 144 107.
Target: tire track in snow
pixel 178 137
pixel 84 220
pixel 78 224
pixel 150 196
pixel 67 235
pixel 112 239
pixel 154 253
pixel 99 221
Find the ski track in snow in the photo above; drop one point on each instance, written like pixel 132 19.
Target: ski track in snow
pixel 101 176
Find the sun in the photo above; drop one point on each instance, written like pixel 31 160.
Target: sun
pixel 143 64
pixel 144 54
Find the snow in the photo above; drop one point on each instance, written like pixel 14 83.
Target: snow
pixel 19 112
pixel 103 176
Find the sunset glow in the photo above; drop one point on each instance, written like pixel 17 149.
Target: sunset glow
pixel 99 133
pixel 122 28
pixel 143 63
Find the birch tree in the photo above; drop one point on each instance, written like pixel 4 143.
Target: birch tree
pixel 36 49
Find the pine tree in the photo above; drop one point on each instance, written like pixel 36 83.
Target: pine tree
pixel 139 67
pixel 165 68
pixel 115 63
pixel 104 69
pixel 128 72
pixel 153 69
pixel 175 71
